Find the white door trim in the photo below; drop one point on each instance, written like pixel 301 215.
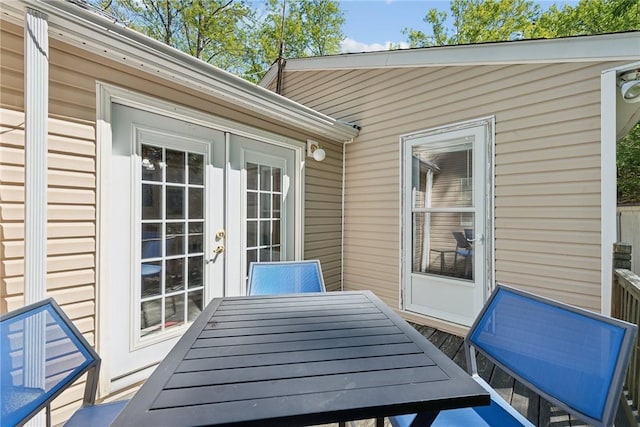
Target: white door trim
pixel 106 95
pixel 489 206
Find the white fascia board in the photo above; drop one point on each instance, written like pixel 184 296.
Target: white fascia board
pixel 607 47
pixel 89 31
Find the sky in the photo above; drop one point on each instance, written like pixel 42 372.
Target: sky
pixel 373 24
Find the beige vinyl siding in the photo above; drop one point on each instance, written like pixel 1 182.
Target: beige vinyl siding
pixel 11 167
pixel 71 261
pixel 323 213
pixel 547 165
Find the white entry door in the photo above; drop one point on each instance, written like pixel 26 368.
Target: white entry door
pixel 166 204
pixel 445 221
pixel 189 208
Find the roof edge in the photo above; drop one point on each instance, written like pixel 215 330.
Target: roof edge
pixel 90 31
pixel 604 47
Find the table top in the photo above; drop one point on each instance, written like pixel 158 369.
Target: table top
pixel 299 360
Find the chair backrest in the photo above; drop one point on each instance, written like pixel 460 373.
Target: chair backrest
pixel 285 277
pixel 574 358
pixel 461 241
pixel 41 353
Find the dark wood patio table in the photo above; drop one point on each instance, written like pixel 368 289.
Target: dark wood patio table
pixel 297 360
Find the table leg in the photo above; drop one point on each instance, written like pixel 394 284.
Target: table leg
pixel 424 419
pixel 379 422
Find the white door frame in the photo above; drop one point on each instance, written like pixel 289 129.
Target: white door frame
pixel 106 94
pixel 406 214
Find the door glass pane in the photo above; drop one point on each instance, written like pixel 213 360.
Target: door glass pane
pixel 196 236
pixel 175 166
pixel 196 203
pixel 175 238
pixel 151 164
pixel 442 177
pixel 265 178
pixel 252 176
pixel 264 202
pixel 151 201
pixel 252 234
pixel 441 246
pixel 194 304
pixel 172 238
pixel 252 204
pixel 175 202
pixel 174 310
pixel 196 169
pixel 196 272
pixel 150 316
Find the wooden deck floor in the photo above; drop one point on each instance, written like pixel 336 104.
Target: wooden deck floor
pixel 536 409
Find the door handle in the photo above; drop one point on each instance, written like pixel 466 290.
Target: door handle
pixel 479 239
pixel 217 251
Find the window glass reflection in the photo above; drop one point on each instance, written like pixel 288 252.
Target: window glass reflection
pixel 172 237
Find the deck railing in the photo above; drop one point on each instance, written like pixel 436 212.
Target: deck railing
pixel 626 306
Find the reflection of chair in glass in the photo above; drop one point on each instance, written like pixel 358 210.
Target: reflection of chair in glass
pixel 285 277
pixel 463 248
pixel 42 353
pixel 150 271
pixel 151 248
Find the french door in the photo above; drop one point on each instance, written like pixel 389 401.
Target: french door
pixel 445 226
pixel 189 208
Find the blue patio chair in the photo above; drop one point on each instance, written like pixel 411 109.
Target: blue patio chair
pixel 575 359
pixel 41 354
pixel 285 277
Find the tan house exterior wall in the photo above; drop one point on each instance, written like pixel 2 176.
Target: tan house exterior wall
pixel 547 165
pixel 72 160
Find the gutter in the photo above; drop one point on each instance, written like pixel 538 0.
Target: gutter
pixel 90 31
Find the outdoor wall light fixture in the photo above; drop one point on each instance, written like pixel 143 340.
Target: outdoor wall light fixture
pixel 314 150
pixel 630 86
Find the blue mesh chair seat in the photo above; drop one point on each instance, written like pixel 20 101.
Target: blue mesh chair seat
pixel 285 277
pixel 574 358
pixel 41 354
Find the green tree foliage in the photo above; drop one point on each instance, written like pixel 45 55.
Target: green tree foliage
pixel 240 36
pixel 628 162
pixel 588 17
pixel 476 21
pixel 212 30
pixel 312 28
